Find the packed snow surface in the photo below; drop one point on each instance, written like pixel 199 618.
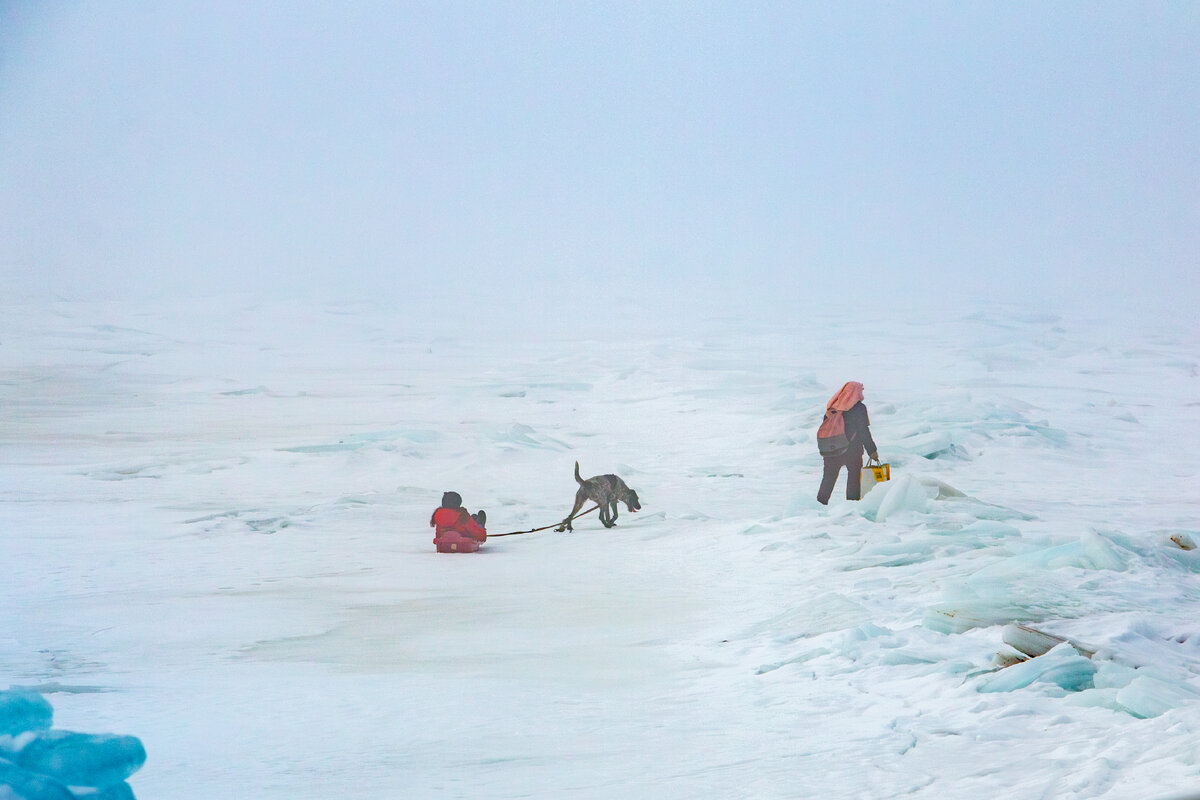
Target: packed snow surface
pixel 215 538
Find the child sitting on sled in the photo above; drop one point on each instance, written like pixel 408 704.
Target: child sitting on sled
pixel 456 530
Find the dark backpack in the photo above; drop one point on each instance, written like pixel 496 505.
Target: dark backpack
pixel 831 436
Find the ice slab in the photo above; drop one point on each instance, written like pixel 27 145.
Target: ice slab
pixel 1062 666
pixel 965 607
pixel 926 495
pixel 22 711
pixel 1143 696
pixel 1091 551
pixel 19 784
pixel 1150 697
pixel 83 759
pixel 905 493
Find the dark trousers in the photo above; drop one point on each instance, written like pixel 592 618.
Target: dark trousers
pixel 852 461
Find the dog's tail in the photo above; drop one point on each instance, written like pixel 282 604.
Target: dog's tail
pixel 578 479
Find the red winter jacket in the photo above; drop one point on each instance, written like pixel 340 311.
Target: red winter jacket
pixel 457 519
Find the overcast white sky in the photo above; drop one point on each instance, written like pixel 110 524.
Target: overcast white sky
pixel 802 154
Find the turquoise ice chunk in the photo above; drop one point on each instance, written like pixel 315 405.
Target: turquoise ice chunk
pixel 22 711
pixel 18 784
pixel 83 759
pixel 1074 674
pixel 1062 666
pixel 1146 696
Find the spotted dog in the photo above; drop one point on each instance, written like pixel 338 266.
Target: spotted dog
pixel 605 491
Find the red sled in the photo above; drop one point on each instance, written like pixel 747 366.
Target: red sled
pixel 455 542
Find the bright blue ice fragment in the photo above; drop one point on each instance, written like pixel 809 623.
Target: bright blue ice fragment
pixel 17 784
pixel 22 711
pixel 1074 675
pixel 1063 666
pixel 83 759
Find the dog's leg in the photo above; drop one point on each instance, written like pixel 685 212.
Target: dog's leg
pixel 565 525
pixel 580 499
pixel 612 513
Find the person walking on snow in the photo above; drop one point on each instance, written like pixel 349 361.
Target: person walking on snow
pixel 844 434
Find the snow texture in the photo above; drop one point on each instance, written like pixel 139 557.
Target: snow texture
pixel 216 536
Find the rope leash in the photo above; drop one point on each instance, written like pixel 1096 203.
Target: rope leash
pixel 535 530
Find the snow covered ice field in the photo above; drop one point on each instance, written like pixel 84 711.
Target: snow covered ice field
pixel 214 531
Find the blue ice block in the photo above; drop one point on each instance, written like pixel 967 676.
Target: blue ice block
pixel 83 759
pixel 22 711
pixel 1146 696
pixel 1062 665
pixel 17 784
